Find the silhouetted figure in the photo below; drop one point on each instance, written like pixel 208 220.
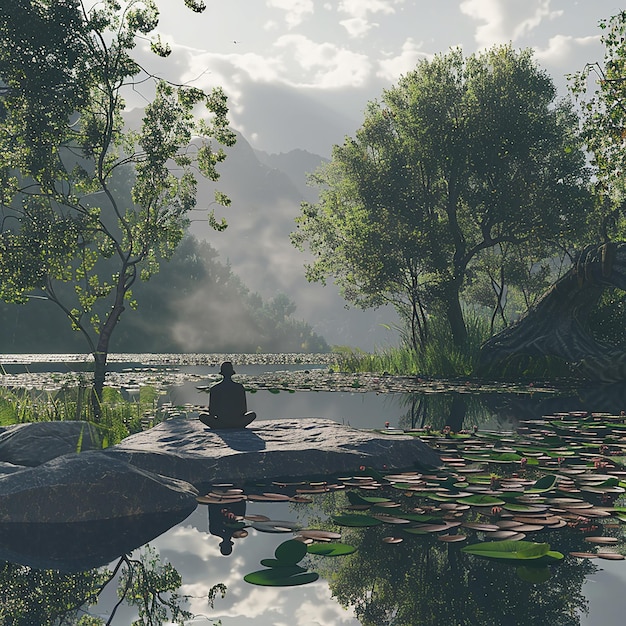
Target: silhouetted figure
pixel 222 518
pixel 227 403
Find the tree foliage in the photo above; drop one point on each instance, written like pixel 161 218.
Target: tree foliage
pixel 601 91
pixel 195 303
pixel 464 157
pixel 65 69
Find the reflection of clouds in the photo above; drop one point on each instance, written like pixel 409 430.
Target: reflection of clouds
pixel 319 611
pixel 194 553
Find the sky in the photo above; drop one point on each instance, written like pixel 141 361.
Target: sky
pixel 299 73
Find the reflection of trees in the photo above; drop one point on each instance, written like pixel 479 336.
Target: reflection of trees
pixel 47 597
pixel 422 581
pixel 442 409
pixel 29 596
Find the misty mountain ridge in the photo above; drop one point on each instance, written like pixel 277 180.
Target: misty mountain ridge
pixel 266 191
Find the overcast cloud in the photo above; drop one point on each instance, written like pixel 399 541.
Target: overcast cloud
pixel 338 55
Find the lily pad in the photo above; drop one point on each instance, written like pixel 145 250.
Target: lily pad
pixel 481 500
pixel 281 577
pixel 290 552
pixel 330 549
pixel 276 526
pixel 511 550
pixel 545 483
pixel 355 520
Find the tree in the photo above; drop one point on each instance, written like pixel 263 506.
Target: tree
pixel 463 156
pixel 603 105
pixel 567 322
pixel 64 150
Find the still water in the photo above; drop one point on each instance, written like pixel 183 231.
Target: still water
pixel 413 582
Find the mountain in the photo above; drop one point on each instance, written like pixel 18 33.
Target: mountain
pixel 266 191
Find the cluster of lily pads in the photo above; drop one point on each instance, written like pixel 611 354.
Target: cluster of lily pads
pixel 497 491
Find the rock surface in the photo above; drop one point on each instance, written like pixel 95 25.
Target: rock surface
pixel 84 510
pixel 285 448
pixel 38 442
pixel 89 486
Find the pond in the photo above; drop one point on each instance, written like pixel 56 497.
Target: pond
pixel 421 579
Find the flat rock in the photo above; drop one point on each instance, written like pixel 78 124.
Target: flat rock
pixel 38 442
pixel 83 510
pixel 285 448
pixel 86 487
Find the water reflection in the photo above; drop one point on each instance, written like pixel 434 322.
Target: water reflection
pixel 424 582
pixel 419 581
pixel 226 522
pixel 79 546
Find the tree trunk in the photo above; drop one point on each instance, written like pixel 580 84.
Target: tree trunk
pixel 102 351
pixel 556 326
pixel 454 315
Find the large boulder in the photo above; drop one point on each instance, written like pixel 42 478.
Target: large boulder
pixel 38 442
pixel 272 449
pixel 83 510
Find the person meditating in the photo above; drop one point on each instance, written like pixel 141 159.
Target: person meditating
pixel 227 403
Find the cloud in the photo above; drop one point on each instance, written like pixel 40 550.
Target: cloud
pixel 561 49
pixel 326 65
pixel 357 26
pixel 506 20
pixel 361 8
pixel 390 69
pixel 296 11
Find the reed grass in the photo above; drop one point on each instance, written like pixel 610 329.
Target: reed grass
pixel 438 357
pixel 119 417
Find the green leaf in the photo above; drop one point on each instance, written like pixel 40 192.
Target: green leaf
pixel 545 483
pixel 281 577
pixel 478 500
pixel 290 551
pixel 355 520
pixel 512 550
pixel 330 549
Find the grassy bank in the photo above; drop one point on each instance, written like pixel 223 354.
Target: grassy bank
pixel 120 417
pixel 438 357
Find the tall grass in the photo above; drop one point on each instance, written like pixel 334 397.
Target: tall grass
pixel 438 357
pixel 119 417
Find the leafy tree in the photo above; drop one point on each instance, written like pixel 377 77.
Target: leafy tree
pixel 195 303
pixel 62 143
pixel 601 91
pixel 46 597
pixel 463 156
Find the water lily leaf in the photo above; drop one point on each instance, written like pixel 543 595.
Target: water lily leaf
pixel 276 526
pixel 355 520
pixel 512 550
pixel 290 551
pixel 282 564
pixel 521 508
pixel 330 549
pixel 319 535
pixel 281 577
pixel 355 498
pixel 419 517
pixel 479 500
pixel 545 483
